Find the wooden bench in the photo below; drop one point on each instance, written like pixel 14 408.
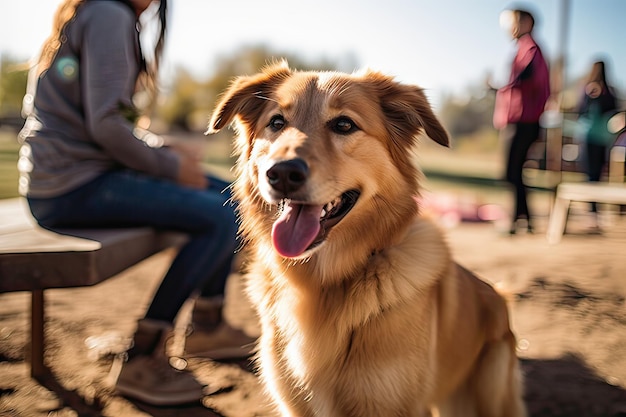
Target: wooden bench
pixel 35 259
pixel 566 192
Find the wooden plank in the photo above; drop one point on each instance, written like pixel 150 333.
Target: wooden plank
pixel 599 192
pixel 36 240
pixel 15 214
pixel 35 258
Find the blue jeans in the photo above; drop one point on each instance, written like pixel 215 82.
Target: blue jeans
pixel 131 199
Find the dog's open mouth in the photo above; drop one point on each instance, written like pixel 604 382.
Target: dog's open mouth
pixel 300 227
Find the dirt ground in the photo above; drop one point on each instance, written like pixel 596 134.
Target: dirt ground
pixel 568 312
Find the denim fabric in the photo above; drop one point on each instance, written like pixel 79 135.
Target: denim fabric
pixel 128 198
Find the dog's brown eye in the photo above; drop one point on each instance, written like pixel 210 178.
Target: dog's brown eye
pixel 276 123
pixel 343 125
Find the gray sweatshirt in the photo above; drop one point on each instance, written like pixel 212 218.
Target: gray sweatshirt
pixel 79 128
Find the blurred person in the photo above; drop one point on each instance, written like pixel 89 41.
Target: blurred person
pixel 519 104
pixel 83 163
pixel 596 106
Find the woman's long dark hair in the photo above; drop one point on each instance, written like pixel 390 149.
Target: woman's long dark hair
pixel 66 12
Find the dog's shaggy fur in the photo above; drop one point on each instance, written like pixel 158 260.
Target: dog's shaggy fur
pixel 363 311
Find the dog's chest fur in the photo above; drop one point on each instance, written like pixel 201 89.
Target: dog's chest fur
pixel 329 331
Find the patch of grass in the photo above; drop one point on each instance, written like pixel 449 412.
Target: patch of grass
pixel 9 149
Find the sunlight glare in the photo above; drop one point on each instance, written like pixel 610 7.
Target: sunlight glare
pixel 507 18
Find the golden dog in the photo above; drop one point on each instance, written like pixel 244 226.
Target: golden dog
pixel 363 312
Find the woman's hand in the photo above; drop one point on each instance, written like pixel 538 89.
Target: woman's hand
pixel 190 172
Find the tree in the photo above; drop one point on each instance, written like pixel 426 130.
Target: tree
pixel 189 102
pixel 467 114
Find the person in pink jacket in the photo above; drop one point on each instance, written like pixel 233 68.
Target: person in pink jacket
pixel 519 104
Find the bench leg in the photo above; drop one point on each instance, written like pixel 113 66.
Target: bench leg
pixel 558 218
pixel 41 373
pixel 37 342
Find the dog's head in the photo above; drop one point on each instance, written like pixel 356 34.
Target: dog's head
pixel 325 158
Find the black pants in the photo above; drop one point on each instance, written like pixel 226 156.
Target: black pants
pixel 523 136
pixel 595 161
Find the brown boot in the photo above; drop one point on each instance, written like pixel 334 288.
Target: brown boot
pixel 215 339
pixel 207 312
pixel 148 376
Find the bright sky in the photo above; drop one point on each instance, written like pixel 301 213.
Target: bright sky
pixel 442 45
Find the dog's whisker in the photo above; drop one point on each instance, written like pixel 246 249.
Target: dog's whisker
pixel 258 95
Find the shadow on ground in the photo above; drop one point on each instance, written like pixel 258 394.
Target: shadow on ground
pixel 568 387
pixel 561 387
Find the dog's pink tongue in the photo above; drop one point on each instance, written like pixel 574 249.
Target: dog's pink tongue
pixel 296 229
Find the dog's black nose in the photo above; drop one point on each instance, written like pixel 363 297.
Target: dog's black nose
pixel 288 176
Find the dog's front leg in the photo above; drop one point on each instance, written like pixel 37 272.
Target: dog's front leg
pixel 292 404
pixel 283 388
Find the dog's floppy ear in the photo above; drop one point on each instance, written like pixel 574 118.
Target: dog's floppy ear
pixel 430 123
pixel 244 100
pixel 407 109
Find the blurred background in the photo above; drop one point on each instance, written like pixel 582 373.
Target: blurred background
pixel 451 48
